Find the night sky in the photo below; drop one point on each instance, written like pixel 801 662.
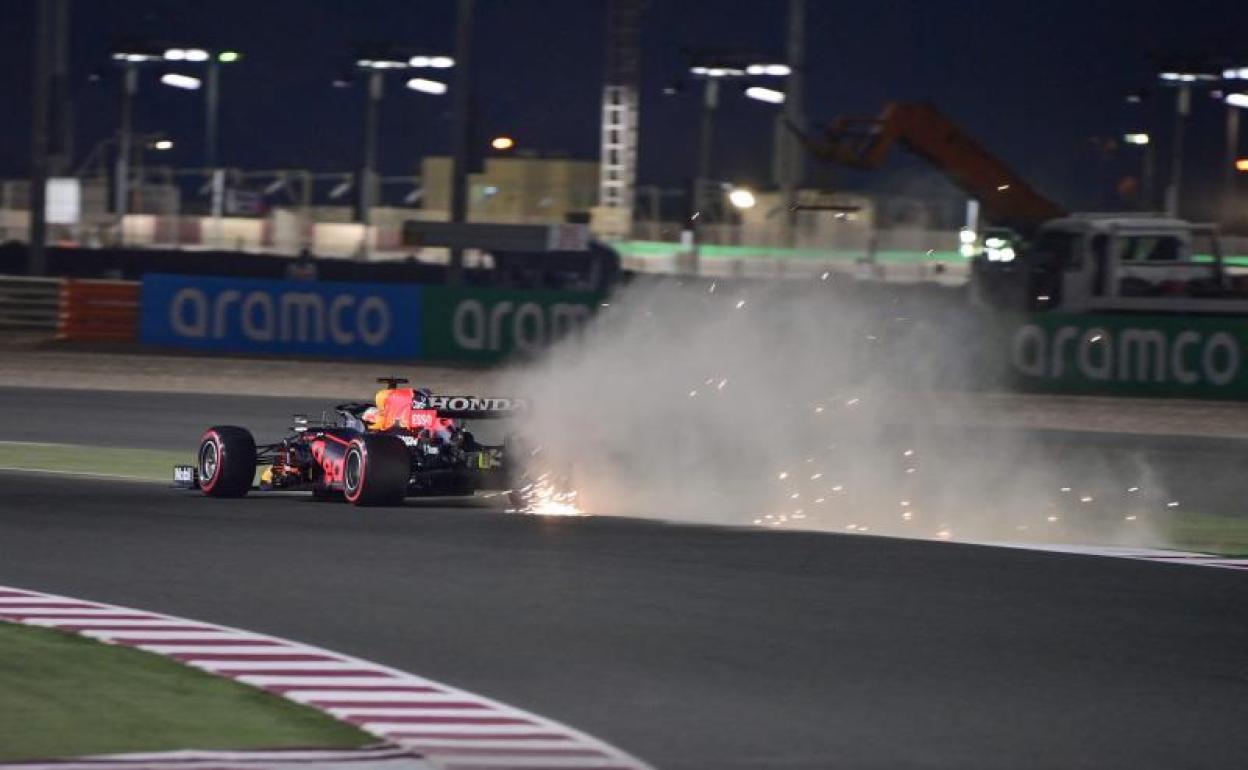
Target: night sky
pixel 1033 80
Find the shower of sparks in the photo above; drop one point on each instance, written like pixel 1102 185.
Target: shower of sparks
pixel 542 498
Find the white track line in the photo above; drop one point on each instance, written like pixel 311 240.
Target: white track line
pixel 88 474
pixel 381 756
pixel 451 728
pixel 1155 555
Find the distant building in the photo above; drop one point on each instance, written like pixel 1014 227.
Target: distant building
pixel 515 189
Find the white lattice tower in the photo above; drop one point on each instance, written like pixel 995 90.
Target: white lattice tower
pixel 618 159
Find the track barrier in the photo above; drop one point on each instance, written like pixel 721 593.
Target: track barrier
pixel 98 311
pixel 70 308
pixel 29 304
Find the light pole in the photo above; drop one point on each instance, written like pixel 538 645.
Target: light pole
pixel 788 151
pixel 1235 102
pixel 1182 108
pixel 712 68
pixel 375 64
pixel 368 168
pixel 1233 163
pixel 1232 153
pixel 212 61
pixel 129 86
pixel 461 139
pixel 1143 141
pixel 1182 80
pixel 131 57
pixel 706 139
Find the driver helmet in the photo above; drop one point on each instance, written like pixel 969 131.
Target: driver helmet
pixel 421 398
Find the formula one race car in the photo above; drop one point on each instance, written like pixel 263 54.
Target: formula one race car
pixel 408 442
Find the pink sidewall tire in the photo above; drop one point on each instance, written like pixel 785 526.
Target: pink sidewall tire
pixel 375 470
pixel 226 461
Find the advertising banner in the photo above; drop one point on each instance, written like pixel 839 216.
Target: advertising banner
pixel 486 325
pixel 1195 357
pixel 348 320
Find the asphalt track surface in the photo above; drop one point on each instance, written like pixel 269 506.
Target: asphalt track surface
pixel 1203 472
pixel 693 647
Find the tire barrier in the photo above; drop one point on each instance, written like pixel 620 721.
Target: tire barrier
pixel 29 304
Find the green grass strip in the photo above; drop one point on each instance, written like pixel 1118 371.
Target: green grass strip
pixel 63 695
pixel 1208 533
pixel 146 464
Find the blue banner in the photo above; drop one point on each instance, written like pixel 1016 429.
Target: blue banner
pixel 239 315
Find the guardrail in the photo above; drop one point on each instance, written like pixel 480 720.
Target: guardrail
pixel 98 311
pixel 29 304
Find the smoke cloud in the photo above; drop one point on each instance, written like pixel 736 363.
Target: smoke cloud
pixel 814 405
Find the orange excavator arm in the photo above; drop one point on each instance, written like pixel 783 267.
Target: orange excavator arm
pixel 1006 198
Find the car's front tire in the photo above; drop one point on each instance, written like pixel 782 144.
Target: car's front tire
pixel 226 461
pixel 375 470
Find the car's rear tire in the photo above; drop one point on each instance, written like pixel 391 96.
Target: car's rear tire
pixel 375 470
pixel 226 461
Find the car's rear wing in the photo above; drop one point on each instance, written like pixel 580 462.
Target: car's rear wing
pixel 474 407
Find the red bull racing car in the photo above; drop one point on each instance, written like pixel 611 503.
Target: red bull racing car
pixel 408 442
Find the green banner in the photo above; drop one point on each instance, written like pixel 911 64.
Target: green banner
pixel 1194 357
pixel 488 325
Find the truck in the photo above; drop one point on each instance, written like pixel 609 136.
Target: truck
pixel 1102 303
pixel 1035 255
